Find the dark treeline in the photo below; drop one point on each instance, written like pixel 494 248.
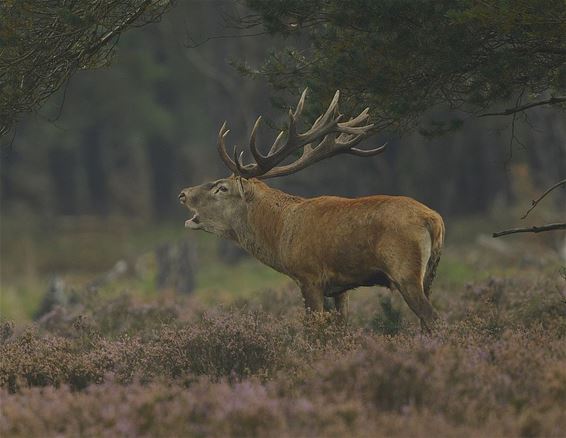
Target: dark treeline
pixel 123 140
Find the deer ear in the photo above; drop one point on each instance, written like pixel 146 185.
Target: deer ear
pixel 244 188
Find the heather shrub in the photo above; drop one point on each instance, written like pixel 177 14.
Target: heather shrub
pixel 554 380
pixel 204 409
pixel 389 387
pixel 389 321
pixel 283 302
pixel 6 331
pixel 380 375
pixel 111 317
pixel 222 343
pixel 33 360
pixel 233 343
pixel 264 368
pixel 120 316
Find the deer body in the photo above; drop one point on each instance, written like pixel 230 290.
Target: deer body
pixel 327 244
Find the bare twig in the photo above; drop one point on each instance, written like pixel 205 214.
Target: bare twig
pixel 194 45
pixel 513 137
pixel 540 198
pixel 549 227
pixel 518 109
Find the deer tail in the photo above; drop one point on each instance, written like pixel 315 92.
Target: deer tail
pixel 435 226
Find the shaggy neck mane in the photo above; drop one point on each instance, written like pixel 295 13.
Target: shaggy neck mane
pixel 260 234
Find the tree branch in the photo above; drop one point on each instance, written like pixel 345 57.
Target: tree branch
pixel 518 109
pixel 120 28
pixel 49 48
pixel 536 201
pixel 552 50
pixel 549 227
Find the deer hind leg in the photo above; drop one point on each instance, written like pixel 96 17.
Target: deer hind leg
pixel 328 304
pixel 413 294
pixel 341 303
pixel 408 276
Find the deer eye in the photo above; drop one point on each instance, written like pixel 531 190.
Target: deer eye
pixel 221 189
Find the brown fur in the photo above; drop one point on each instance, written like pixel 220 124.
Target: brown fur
pixel 328 244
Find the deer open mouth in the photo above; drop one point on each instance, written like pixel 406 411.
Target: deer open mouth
pixel 194 222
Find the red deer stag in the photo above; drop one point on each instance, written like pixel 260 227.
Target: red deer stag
pixel 327 244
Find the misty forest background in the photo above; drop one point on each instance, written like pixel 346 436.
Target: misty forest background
pixel 122 140
pixel 93 176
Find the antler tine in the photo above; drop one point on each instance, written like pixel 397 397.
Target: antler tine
pixel 293 116
pixel 301 104
pixel 367 152
pixel 330 135
pixel 325 123
pixel 276 143
pixel 347 134
pixel 317 122
pixel 253 149
pixel 242 170
pixel 332 108
pixel 236 165
pixel 237 161
pixel 352 135
pixel 222 148
pixel 291 130
pixel 362 117
pixel 294 141
pixel 254 132
pixel 355 130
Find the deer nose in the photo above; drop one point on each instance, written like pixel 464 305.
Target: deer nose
pixel 182 197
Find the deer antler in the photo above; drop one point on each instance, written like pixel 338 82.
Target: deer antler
pixel 333 136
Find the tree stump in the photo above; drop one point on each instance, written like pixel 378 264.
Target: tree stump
pixel 176 266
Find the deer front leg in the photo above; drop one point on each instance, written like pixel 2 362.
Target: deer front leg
pixel 313 297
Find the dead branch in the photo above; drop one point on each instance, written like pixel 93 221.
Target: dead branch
pixel 540 198
pixel 549 227
pixel 518 109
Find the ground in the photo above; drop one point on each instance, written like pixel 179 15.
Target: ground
pixel 238 357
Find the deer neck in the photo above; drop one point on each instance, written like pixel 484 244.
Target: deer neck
pixel 260 232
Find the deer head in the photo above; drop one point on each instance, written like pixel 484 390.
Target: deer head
pixel 220 206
